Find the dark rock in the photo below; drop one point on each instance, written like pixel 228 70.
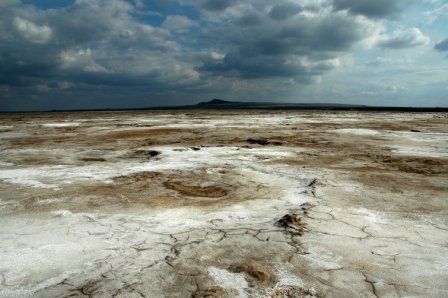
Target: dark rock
pixel 261 141
pixel 149 153
pixel 153 153
pixel 93 159
pixel 293 224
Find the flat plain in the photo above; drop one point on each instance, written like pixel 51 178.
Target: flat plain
pixel 206 203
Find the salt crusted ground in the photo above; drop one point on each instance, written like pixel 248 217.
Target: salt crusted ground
pixel 224 204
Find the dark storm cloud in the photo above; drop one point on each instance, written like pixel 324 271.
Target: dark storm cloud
pixel 100 43
pixel 123 49
pixel 285 10
pixel 216 5
pixel 92 42
pixel 301 48
pixel 442 46
pixel 371 8
pixel 250 19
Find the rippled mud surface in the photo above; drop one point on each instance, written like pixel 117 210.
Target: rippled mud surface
pixel 224 204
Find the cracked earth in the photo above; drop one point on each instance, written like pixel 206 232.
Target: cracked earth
pixel 224 204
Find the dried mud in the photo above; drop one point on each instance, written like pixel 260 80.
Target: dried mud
pixel 224 204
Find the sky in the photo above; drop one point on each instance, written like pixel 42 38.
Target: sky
pixel 91 54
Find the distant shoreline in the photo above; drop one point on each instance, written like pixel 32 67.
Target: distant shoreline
pixel 217 104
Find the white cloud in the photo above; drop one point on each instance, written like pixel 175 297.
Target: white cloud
pixel 81 59
pixel 435 14
pixel 178 24
pixel 32 32
pixel 404 39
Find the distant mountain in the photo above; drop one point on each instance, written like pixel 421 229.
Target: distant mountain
pixel 225 104
pixel 216 102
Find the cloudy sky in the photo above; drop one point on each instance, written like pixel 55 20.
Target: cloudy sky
pixel 67 54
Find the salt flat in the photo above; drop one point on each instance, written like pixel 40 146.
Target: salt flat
pixel 224 204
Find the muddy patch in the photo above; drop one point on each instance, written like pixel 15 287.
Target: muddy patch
pixel 195 190
pixel 137 177
pixel 254 273
pixel 212 292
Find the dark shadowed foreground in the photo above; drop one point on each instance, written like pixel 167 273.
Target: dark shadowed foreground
pixel 224 204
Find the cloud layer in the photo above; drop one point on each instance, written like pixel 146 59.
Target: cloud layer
pixel 373 9
pixel 161 52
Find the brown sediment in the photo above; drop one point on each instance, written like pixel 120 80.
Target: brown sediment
pixel 255 273
pixel 111 137
pixel 293 292
pixel 137 177
pixel 212 292
pixel 28 141
pixel 195 190
pixel 140 133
